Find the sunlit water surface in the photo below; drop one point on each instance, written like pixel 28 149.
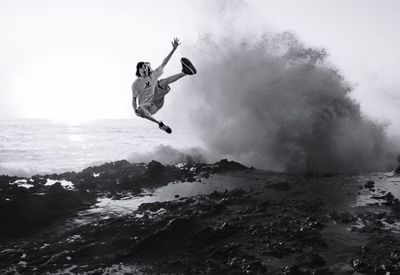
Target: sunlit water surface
pixel 40 146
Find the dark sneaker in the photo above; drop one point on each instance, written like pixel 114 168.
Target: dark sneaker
pixel 187 66
pixel 164 127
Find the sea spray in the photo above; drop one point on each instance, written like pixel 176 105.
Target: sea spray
pixel 276 104
pixel 167 154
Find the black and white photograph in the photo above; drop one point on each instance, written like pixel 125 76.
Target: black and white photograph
pixel 200 137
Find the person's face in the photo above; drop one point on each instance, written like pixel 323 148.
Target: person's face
pixel 145 70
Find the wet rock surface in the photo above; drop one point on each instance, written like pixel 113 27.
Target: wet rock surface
pixel 24 211
pixel 381 255
pixel 277 229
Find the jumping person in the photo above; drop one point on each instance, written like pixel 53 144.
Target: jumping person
pixel 148 92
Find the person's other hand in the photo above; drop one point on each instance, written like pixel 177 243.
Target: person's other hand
pixel 137 112
pixel 175 43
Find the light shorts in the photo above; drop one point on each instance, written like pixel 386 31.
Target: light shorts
pixel 158 99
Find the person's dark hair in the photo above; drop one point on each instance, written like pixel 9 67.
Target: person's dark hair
pixel 139 66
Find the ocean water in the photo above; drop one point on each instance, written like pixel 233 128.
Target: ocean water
pixel 31 146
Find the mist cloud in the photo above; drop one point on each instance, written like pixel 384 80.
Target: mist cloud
pixel 168 155
pixel 276 104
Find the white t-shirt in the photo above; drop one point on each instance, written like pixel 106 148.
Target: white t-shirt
pixel 143 87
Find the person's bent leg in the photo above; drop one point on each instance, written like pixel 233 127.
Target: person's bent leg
pixel 145 113
pixel 187 69
pixel 164 82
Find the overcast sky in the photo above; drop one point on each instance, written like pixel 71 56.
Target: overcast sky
pixel 75 59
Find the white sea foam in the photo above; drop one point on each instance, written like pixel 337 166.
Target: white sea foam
pixel 22 183
pixel 64 183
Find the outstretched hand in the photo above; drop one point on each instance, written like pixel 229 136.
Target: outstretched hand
pixel 175 43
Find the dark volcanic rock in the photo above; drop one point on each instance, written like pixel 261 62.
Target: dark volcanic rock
pixel 122 176
pixel 342 217
pixel 172 236
pixel 165 229
pixel 280 186
pixel 228 232
pixel 26 212
pixel 381 255
pixel 224 166
pixel 39 205
pixel 220 233
pixel 391 201
pixel 369 185
pixel 315 260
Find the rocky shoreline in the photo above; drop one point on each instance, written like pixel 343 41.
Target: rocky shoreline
pixel 279 224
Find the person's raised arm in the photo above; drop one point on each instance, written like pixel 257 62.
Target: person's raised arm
pixel 175 45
